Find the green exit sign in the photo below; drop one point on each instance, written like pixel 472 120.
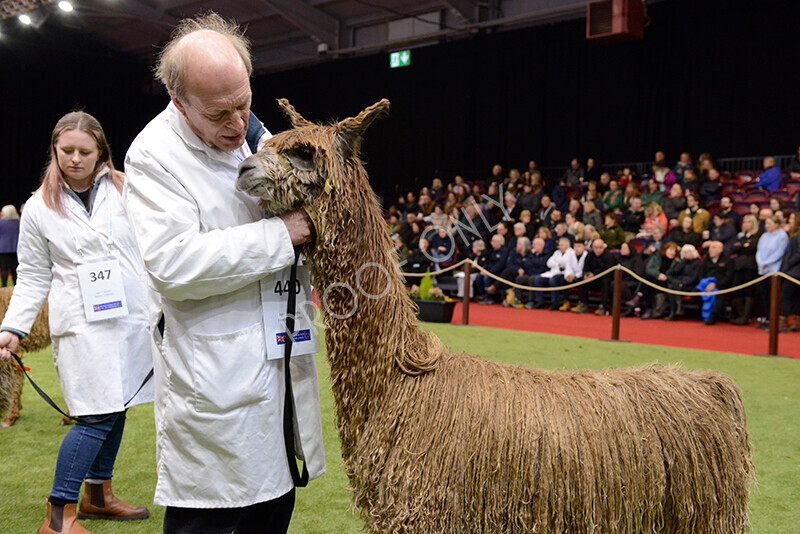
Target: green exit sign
pixel 400 59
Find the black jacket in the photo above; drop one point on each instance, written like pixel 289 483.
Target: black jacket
pixel 791 261
pixel 722 270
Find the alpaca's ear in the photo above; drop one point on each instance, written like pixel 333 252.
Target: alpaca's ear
pixel 349 131
pixel 294 117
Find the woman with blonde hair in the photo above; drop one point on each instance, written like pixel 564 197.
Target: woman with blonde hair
pixel 745 268
pixel 9 235
pixel 76 245
pixel 654 215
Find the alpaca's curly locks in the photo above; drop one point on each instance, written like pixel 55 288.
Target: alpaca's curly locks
pixel 11 377
pixel 434 441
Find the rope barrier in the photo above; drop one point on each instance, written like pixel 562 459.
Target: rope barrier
pixel 635 276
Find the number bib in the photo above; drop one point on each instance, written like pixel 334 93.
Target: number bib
pixel 275 294
pixel 102 290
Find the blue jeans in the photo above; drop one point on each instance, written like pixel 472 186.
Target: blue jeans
pixel 87 451
pixel 553 281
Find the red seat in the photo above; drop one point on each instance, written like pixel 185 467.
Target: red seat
pixel 745 176
pixel 725 176
pixel 742 208
pixel 713 206
pixel 637 243
pixel 757 195
pixel 792 187
pixel 782 194
pixel 729 187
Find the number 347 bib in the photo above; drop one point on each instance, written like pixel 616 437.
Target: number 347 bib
pixel 102 290
pixel 275 294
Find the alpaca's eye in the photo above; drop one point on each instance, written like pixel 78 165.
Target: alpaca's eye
pixel 304 152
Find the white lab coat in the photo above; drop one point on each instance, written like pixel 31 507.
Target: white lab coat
pixel 561 263
pixel 100 364
pixel 212 255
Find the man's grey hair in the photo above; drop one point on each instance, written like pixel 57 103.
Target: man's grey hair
pixel 171 66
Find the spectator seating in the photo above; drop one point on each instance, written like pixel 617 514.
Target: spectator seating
pixel 756 195
pixel 713 206
pixel 638 244
pixel 741 207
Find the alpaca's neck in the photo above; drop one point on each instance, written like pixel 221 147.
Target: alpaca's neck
pixel 370 323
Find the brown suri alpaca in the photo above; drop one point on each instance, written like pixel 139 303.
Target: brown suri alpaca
pixel 11 376
pixel 438 441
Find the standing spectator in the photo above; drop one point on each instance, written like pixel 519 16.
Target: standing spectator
pixel 559 268
pixel 574 175
pixel 611 232
pixel 718 266
pixel 684 164
pixel 769 254
pixel 674 204
pixel 9 236
pixel 653 193
pixel 682 275
pixel 790 292
pixel 213 257
pixel 770 178
pixel 745 268
pixel 74 231
pixel 700 217
pixel 711 189
pixel 535 172
pixel 685 234
pixel 597 261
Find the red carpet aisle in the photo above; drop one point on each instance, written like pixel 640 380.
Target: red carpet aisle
pixel 689 333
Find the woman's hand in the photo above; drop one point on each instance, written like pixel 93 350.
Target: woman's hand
pixel 662 277
pixel 8 344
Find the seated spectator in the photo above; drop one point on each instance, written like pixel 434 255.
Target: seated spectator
pixel 726 209
pixel 598 260
pixel 555 218
pixel 721 230
pixel 690 179
pixel 674 204
pixel 745 269
pixel 515 268
pixel 559 268
pixel 685 234
pixel 400 248
pixel 576 231
pixel 574 175
pixel 603 184
pixel 558 196
pixel 653 193
pixel 633 218
pixel 631 192
pixel 684 164
pixel 393 225
pixel 630 285
pixel 717 271
pixel 700 217
pixel 775 204
pixel 529 199
pixel 655 242
pixel 654 216
pixel 437 191
pixel 575 209
pixel 769 254
pixel 790 293
pixel 591 215
pixel 612 199
pixel 611 232
pixel 530 226
pixel 763 215
pixel 711 189
pixel 451 203
pixel 442 247
pixel 549 243
pixel 770 177
pixel 439 219
pixel 544 210
pixel 663 175
pixel 533 264
pixel 426 205
pixel 790 223
pixel 590 233
pixel 410 205
pixel 591 190
pixel 682 275
pixel 519 231
pixel 494 262
pixel 592 173
pixel 477 250
pixel 755 209
pixel 655 270
pixel 562 230
pixel 419 261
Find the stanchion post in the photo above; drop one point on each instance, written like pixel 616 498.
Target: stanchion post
pixel 774 313
pixel 616 305
pixel 467 290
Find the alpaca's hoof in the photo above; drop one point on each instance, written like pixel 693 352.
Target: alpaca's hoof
pixel 9 421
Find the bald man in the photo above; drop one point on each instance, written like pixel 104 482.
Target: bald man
pixel 215 260
pixel 717 265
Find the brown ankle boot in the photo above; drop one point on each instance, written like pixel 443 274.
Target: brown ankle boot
pixel 61 520
pixel 98 502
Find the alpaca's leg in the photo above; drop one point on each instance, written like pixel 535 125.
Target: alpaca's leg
pixel 16 402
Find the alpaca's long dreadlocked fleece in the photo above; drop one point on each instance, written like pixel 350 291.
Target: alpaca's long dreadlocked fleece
pixel 434 441
pixel 11 377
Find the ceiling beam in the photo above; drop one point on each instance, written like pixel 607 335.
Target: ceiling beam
pixel 321 27
pixel 465 9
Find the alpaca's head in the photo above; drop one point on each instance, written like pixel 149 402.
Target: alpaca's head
pixel 307 165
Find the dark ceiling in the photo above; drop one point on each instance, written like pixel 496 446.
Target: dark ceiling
pixel 289 33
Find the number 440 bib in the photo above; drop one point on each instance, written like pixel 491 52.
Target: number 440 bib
pixel 275 294
pixel 102 290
